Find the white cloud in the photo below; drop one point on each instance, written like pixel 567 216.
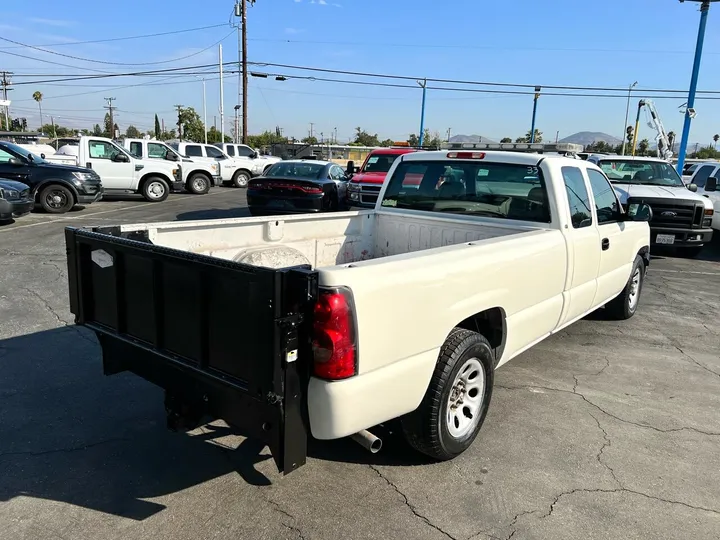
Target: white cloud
pixel 52 22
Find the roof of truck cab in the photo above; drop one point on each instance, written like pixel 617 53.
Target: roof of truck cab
pixel 616 157
pixel 519 158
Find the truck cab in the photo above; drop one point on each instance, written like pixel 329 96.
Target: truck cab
pixel 244 151
pixel 235 171
pixel 120 171
pixel 198 177
pixel 682 217
pixel 365 183
pixel 705 177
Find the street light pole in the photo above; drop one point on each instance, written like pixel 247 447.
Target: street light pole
pixel 534 116
pixel 423 85
pixel 627 115
pixel 689 112
pixel 205 126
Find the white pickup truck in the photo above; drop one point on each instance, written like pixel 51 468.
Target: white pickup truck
pixel 260 161
pixel 236 171
pixel 705 177
pixel 328 325
pixel 197 177
pixel 120 171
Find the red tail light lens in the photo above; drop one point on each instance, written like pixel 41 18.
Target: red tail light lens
pixel 334 339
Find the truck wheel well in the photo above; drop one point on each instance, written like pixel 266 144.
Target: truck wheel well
pixel 645 254
pixel 490 324
pixel 47 183
pixel 199 171
pixel 148 176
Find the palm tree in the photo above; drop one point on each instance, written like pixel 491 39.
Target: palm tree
pixel 37 96
pixel 716 138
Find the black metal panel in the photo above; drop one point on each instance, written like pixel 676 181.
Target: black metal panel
pixel 209 331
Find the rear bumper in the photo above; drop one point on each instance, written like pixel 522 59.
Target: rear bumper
pixel 341 408
pixel 15 209
pixel 682 237
pixel 260 201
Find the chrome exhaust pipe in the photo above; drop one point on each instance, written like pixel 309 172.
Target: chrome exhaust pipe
pixel 367 440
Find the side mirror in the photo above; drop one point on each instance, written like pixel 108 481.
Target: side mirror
pixel 350 168
pixel 639 212
pixel 255 155
pixel 711 184
pixel 692 187
pixel 171 156
pixel 16 162
pixel 120 158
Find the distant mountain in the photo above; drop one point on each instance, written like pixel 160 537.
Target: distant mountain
pixel 588 137
pixel 470 139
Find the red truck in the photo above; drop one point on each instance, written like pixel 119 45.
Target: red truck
pixel 364 185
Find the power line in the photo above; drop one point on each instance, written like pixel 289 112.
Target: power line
pixel 105 62
pixel 142 36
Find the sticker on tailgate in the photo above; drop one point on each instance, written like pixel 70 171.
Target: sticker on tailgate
pixel 102 258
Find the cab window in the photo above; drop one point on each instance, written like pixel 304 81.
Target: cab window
pixel 700 178
pixel 245 151
pixel 578 197
pixel 214 152
pixel 156 150
pixel 136 149
pixel 230 150
pixel 193 150
pixel 102 150
pixel 606 202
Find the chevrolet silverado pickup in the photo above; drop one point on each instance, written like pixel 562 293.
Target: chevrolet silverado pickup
pixel 328 325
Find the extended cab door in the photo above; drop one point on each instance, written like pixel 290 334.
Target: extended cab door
pixel 102 155
pixel 583 241
pixel 616 257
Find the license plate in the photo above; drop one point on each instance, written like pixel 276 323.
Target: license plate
pixel 665 239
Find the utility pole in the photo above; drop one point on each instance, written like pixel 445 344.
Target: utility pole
pixel 222 97
pixel 557 136
pixel 448 133
pixel 5 84
pixel 312 124
pixel 336 136
pixel 423 85
pixel 690 110
pixel 534 115
pixel 241 11
pixel 237 125
pixel 179 122
pixel 627 114
pixel 110 108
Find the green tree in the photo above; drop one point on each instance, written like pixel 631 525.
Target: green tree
pixel 97 130
pixel 363 138
pixel 192 127
pixel 716 138
pixel 643 147
pixel 506 140
pixel 37 96
pixel 108 128
pixel 157 127
pixel 521 140
pixel 310 140
pixel 413 140
pixel 708 152
pixel 430 140
pixel 538 136
pixel 132 132
pixel 387 143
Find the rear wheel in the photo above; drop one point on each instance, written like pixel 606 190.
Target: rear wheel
pixel 198 183
pixel 455 404
pixel 155 189
pixel 241 179
pixel 56 199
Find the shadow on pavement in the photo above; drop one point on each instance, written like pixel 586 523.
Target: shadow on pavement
pixel 709 253
pixel 70 434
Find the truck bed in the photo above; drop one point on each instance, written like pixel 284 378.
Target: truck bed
pixel 323 241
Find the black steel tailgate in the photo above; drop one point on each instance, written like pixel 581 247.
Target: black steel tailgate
pixel 230 337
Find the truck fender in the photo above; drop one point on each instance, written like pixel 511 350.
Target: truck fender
pixel 65 183
pixel 490 323
pixel 154 174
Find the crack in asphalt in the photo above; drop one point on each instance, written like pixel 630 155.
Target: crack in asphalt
pixel 60 272
pixel 624 490
pixel 48 307
pixel 698 364
pixel 415 512
pixel 606 444
pixel 287 514
pixel 67 449
pixel 611 415
pixel 515 520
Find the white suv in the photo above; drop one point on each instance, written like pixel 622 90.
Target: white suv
pixel 263 163
pixel 233 170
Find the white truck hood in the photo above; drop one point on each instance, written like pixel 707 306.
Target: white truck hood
pixel 660 192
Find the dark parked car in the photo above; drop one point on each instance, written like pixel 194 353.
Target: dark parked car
pixel 15 200
pixel 298 186
pixel 57 188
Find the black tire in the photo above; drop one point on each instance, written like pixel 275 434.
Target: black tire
pixel 198 184
pixel 241 179
pixel 626 303
pixel 690 252
pixel 56 199
pixel 155 189
pixel 426 429
pixel 332 204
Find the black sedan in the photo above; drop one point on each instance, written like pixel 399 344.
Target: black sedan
pixel 15 200
pixel 297 187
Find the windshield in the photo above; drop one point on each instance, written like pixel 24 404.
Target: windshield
pixel 645 173
pixel 296 170
pixel 499 190
pixel 379 163
pixel 23 152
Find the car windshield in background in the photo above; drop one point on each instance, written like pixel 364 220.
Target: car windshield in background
pixel 645 173
pixel 23 152
pixel 380 163
pixel 479 188
pixel 296 170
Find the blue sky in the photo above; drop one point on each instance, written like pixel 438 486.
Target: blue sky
pixel 526 42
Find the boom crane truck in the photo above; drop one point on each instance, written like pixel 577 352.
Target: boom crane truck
pixel 664 150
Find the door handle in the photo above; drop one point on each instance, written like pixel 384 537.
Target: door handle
pixel 605 244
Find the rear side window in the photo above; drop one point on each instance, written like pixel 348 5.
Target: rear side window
pixel 230 150
pixel 193 150
pixel 578 197
pixel 499 190
pixel 702 175
pixel 136 149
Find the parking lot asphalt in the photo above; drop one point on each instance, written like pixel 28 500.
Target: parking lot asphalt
pixel 607 430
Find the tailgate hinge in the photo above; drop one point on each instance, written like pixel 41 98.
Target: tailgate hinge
pixel 292 320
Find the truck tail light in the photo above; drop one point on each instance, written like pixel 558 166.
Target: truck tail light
pixel 334 335
pixel 466 155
